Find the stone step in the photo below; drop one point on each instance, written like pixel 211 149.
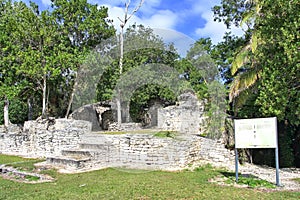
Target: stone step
pixel 95 139
pixel 67 162
pixel 93 146
pixel 76 153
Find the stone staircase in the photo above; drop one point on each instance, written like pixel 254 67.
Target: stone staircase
pixel 91 147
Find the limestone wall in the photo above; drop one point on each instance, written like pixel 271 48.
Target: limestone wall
pixel 145 151
pixel 185 117
pixel 44 138
pixel 150 152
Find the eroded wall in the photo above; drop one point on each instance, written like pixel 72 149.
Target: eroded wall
pixel 44 138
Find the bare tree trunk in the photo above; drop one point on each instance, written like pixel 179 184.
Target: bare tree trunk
pixel 6 116
pixel 29 109
pixel 119 112
pixel 72 96
pixel 44 95
pixel 122 25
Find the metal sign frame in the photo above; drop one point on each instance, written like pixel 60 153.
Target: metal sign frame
pixel 256 133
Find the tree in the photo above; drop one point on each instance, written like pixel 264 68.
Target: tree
pixel 85 26
pixel 41 50
pixel 6 117
pixel 278 54
pixel 200 56
pixel 13 85
pixel 124 21
pixel 266 70
pixel 243 67
pixel 141 48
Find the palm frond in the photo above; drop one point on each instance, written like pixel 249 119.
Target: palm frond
pixel 254 41
pixel 240 59
pixel 241 99
pixel 247 17
pixel 242 82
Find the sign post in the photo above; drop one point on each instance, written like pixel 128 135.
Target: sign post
pixel 256 133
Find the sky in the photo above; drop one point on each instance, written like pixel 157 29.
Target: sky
pixel 171 19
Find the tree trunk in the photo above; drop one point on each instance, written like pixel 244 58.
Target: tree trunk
pixel 72 97
pixel 44 95
pixel 127 16
pixel 6 117
pixel 30 111
pixel 119 113
pixel 119 109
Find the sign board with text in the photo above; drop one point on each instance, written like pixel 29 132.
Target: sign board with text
pixel 256 133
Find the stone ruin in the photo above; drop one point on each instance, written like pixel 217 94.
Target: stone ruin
pixel 74 144
pixel 99 114
pixel 187 116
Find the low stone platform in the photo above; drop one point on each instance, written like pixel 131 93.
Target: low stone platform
pixel 140 151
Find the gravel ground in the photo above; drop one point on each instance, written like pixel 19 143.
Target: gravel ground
pixel 286 175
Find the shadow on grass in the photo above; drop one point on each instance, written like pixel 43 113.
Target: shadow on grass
pixel 246 179
pixel 232 175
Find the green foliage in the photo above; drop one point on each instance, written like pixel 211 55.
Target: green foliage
pixel 203 58
pixel 285 141
pixel 151 71
pixel 40 50
pixel 141 47
pixel 233 12
pixel 18 111
pixel 272 63
pixel 216 111
pixel 224 53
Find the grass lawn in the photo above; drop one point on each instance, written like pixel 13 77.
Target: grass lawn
pixel 119 184
pixel 142 131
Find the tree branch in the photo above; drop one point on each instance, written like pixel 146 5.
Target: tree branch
pixel 126 17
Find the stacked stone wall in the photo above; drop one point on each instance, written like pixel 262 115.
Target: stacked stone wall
pixel 150 152
pixel 145 151
pixel 186 117
pixel 41 139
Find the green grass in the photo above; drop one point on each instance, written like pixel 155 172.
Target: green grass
pixel 249 180
pixel 166 134
pixel 26 165
pixel 32 178
pixel 117 184
pixel 23 164
pixel 4 159
pixel 142 131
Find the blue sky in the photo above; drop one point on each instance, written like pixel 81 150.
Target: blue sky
pixel 179 21
pixel 193 18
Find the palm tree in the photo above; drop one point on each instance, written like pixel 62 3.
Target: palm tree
pixel 244 68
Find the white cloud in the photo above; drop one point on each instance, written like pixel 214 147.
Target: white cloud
pixel 181 41
pixel 161 18
pixel 215 30
pixel 46 2
pixel 108 2
pixel 151 15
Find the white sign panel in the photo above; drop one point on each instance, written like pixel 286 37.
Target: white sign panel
pixel 256 133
